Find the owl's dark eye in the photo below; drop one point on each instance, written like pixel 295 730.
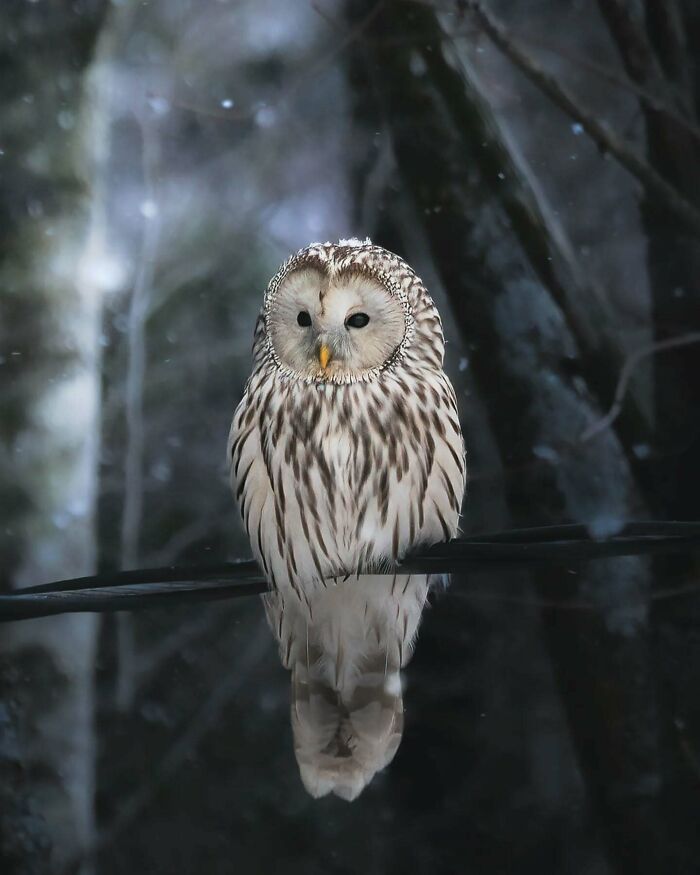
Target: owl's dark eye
pixel 303 319
pixel 357 320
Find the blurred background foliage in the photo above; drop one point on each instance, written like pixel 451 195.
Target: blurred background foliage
pixel 537 163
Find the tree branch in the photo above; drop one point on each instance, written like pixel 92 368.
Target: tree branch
pixel 626 375
pixel 598 131
pixel 159 587
pixel 541 235
pixel 660 103
pixel 665 27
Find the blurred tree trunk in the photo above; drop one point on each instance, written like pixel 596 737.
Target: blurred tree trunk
pixel 525 359
pixel 659 46
pixel 50 248
pixel 660 53
pixel 690 17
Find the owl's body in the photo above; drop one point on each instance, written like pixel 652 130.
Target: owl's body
pixel 339 471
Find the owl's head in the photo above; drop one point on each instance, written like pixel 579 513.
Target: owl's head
pixel 340 313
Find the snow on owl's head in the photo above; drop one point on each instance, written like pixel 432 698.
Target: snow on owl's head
pixel 333 314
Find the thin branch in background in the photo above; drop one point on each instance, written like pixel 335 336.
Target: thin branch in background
pixel 350 36
pixel 151 660
pixel 660 102
pixel 335 23
pixel 665 22
pixel 654 101
pixel 253 221
pixel 132 512
pixel 583 302
pixel 627 373
pixel 162 377
pixel 183 538
pixel 536 225
pixel 295 87
pixel 136 359
pixel 625 21
pixel 598 131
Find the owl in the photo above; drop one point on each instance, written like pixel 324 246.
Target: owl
pixel 346 453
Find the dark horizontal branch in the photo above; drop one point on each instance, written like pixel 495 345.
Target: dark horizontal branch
pixel 106 599
pixel 518 548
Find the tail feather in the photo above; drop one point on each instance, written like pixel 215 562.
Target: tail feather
pixel 344 736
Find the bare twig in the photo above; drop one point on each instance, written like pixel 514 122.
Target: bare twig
pixel 176 641
pixel 665 21
pixel 545 238
pixel 539 230
pixel 653 100
pixel 295 87
pixel 136 367
pixel 661 62
pixel 626 375
pixel 661 102
pixel 136 360
pixel 598 131
pixel 641 60
pixel 335 23
pixel 197 529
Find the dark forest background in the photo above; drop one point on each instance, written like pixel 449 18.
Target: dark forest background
pixel 538 163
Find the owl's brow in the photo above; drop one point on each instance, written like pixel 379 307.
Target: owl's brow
pixel 323 291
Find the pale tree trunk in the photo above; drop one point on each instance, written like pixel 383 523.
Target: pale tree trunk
pixel 132 511
pixel 51 264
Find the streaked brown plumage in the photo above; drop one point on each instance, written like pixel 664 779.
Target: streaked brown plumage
pixel 346 452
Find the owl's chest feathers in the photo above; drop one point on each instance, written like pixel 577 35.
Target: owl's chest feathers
pixel 322 446
pixel 345 477
pixel 348 476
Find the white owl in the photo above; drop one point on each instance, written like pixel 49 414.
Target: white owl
pixel 346 452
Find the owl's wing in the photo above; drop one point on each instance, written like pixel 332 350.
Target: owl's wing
pixel 250 480
pixel 420 462
pixel 248 455
pixel 263 512
pixel 449 470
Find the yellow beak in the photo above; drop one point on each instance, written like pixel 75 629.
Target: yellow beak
pixel 324 356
